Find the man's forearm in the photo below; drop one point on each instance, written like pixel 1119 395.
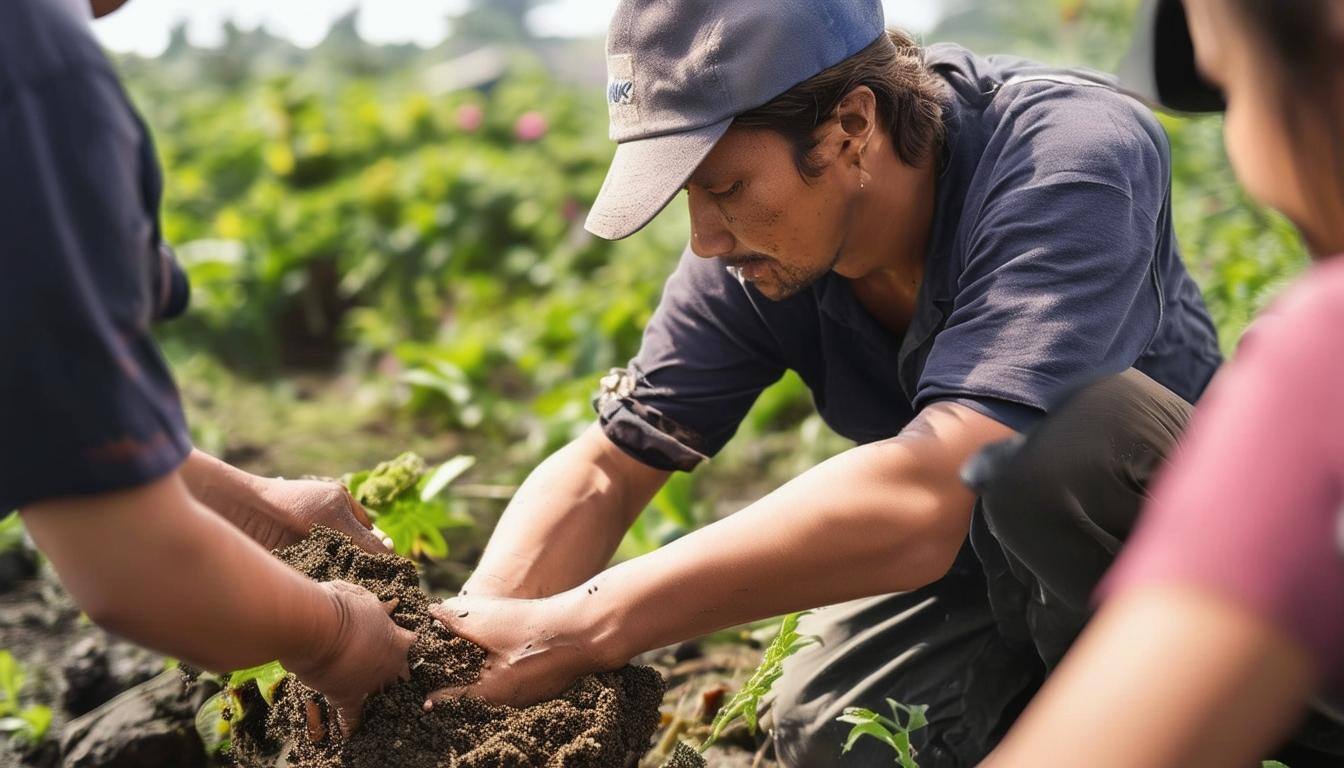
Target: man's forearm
pixel 805 545
pixel 880 518
pixel 154 565
pixel 221 487
pixel 566 520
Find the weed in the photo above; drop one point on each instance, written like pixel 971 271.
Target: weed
pixel 407 502
pixel 747 701
pixel 893 731
pixel 25 725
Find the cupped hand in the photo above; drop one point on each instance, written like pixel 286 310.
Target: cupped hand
pixel 535 648
pixel 289 509
pixel 366 653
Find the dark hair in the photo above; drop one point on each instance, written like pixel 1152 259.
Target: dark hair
pixel 909 102
pixel 1308 70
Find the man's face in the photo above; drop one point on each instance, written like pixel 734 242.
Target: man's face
pixel 104 7
pixel 752 210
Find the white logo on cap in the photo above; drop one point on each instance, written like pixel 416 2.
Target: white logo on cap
pixel 621 90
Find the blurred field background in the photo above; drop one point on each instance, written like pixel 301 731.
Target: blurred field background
pixel 386 247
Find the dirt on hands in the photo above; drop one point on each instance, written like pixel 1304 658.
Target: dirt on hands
pixel 603 721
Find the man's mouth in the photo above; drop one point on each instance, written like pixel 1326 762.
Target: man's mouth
pixel 747 268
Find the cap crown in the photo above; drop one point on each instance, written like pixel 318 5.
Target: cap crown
pixel 679 65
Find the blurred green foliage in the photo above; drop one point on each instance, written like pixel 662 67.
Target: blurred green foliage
pixel 339 211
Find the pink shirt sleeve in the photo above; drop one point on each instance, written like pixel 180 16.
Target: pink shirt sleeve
pixel 1250 507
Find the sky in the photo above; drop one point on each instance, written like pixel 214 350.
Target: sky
pixel 143 25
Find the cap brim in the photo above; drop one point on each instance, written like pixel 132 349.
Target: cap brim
pixel 645 175
pixel 1160 67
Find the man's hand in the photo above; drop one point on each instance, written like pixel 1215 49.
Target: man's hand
pixel 537 648
pixel 365 653
pixel 276 512
pixel 286 510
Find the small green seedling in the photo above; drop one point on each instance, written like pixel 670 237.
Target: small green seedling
pixel 217 716
pixel 747 701
pixel 406 501
pixel 893 731
pixel 25 725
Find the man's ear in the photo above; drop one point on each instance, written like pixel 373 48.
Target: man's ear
pixel 103 7
pixel 856 116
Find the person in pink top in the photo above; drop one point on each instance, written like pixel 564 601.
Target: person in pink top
pixel 1222 623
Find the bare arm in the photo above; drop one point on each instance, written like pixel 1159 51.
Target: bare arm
pixel 880 518
pixel 1165 677
pixel 566 520
pixel 154 565
pixel 275 512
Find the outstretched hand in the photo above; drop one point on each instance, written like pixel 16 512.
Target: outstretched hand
pixel 535 648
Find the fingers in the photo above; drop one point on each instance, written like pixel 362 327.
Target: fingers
pixel 365 539
pixel 349 716
pixel 453 613
pixel 317 730
pixel 357 509
pixel 442 695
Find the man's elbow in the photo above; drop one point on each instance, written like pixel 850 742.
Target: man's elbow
pixel 932 541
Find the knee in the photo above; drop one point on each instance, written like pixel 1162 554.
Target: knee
pixel 1112 432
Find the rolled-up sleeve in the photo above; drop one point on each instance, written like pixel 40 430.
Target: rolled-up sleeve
pixel 87 404
pixel 705 357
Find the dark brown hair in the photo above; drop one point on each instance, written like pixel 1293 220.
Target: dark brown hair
pixel 1307 67
pixel 909 102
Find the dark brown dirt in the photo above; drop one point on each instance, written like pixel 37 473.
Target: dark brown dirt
pixel 603 721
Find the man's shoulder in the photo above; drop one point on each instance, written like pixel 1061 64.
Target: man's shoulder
pixel 1073 125
pixel 45 38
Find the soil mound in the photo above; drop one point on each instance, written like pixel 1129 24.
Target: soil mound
pixel 603 721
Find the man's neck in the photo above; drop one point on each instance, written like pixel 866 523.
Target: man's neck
pixel 892 224
pixel 885 255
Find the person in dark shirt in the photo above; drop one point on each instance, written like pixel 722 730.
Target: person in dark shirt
pixel 157 542
pixel 943 246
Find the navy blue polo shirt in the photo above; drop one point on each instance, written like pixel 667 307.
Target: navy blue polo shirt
pixel 86 402
pixel 1052 260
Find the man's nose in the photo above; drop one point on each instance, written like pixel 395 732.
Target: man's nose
pixel 710 238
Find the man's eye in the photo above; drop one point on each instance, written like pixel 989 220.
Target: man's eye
pixel 727 193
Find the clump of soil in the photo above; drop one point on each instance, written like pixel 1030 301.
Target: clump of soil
pixel 603 721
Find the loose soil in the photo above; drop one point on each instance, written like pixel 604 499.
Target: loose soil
pixel 603 721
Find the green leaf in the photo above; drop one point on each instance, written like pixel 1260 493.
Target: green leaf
pixel 266 676
pixel 867 729
pixel 745 703
pixel 389 479
pixel 11 682
pixel 211 726
pixel 442 477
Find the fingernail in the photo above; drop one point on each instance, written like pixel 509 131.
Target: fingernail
pixel 429 705
pixel 463 614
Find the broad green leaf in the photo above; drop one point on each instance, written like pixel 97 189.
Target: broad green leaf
pixel 266 676
pixel 442 477
pixel 211 725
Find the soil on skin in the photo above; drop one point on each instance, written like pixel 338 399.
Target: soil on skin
pixel 603 721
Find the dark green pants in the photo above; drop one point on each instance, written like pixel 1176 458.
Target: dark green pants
pixel 1054 509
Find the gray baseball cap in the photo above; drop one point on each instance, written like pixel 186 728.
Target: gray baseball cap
pixel 1160 67
pixel 679 71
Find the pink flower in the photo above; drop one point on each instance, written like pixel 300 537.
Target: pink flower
pixel 470 117
pixel 531 126
pixel 571 209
